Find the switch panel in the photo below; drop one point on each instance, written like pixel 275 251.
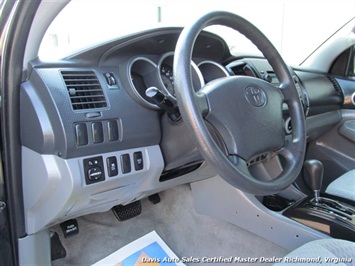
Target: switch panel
pixel 94 170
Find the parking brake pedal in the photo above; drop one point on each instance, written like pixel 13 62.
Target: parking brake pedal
pixel 128 211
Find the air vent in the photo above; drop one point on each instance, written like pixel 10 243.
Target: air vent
pixel 84 90
pixel 335 84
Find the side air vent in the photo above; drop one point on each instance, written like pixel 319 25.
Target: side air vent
pixel 84 90
pixel 335 84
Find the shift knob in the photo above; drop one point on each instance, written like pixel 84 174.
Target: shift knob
pixel 313 172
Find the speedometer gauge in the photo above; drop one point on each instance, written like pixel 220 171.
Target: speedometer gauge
pixel 166 74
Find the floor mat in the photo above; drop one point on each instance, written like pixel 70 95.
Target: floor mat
pixel 186 232
pixel 148 250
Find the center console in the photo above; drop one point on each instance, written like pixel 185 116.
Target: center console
pixel 328 215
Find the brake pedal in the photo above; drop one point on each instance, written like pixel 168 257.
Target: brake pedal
pixel 128 211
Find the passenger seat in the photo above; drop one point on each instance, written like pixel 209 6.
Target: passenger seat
pixel 343 186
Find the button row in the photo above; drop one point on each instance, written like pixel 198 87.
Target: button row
pixel 97 132
pixel 93 167
pixel 125 161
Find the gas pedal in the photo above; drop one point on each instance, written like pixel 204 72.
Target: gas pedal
pixel 128 211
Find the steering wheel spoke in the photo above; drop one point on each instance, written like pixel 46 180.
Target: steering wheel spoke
pixel 202 103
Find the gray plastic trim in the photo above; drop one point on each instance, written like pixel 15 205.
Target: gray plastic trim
pixel 215 197
pixel 44 16
pixel 212 69
pixel 347 129
pixel 55 189
pixel 348 90
pixel 48 120
pixel 35 249
pixel 136 95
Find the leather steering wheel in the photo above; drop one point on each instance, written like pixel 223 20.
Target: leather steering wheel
pixel 245 111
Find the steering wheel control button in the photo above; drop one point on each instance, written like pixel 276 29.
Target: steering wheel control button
pixel 81 134
pixel 97 132
pixel 125 163
pixel 112 167
pixel 138 160
pixel 255 96
pixel 112 129
pixel 93 169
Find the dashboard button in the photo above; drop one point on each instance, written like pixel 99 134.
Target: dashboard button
pixel 138 160
pixel 81 134
pixel 125 163
pixel 112 128
pixel 112 167
pixel 97 132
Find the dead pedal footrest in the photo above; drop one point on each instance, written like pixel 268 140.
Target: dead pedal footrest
pixel 128 211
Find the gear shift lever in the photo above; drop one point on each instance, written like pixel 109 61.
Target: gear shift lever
pixel 313 172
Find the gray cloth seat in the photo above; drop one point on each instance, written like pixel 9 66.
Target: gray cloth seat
pixel 322 252
pixel 343 186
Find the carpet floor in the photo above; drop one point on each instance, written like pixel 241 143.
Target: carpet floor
pixel 185 231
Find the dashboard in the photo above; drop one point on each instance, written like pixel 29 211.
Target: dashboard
pixel 97 138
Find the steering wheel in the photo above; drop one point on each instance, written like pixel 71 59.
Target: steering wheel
pixel 246 112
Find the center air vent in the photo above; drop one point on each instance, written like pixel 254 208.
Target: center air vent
pixel 84 90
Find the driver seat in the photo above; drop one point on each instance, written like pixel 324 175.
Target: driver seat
pixel 329 251
pixel 343 186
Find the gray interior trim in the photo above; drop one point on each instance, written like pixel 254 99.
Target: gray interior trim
pixel 318 125
pixel 322 58
pixel 347 129
pixel 61 183
pixel 146 66
pixel 48 119
pixel 217 198
pixel 35 249
pixel 343 186
pixel 42 22
pixel 347 87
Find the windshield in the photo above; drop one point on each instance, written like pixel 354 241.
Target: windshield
pixel 295 28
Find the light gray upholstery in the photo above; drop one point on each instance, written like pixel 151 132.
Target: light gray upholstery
pixel 322 252
pixel 343 186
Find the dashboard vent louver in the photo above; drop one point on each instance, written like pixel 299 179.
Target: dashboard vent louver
pixel 335 84
pixel 84 90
